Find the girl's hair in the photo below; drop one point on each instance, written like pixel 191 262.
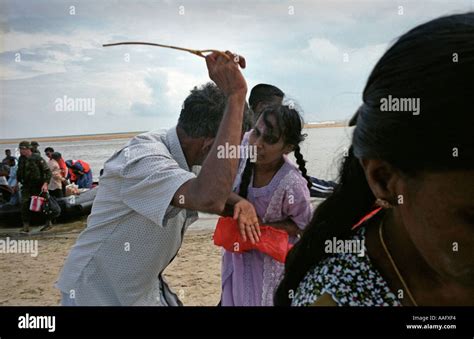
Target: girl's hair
pixel 289 125
pixel 432 64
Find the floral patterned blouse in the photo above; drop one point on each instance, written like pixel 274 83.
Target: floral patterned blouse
pixel 349 279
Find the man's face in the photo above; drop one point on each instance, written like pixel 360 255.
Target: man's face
pixel 8 153
pixel 49 154
pixel 26 152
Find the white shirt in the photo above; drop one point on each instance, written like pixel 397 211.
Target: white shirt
pixel 55 182
pixel 133 232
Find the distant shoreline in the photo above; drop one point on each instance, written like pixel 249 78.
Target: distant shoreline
pixel 108 136
pixel 126 135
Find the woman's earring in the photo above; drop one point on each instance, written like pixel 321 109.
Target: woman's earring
pixel 383 203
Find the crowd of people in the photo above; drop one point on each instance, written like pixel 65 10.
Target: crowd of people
pixel 404 191
pixel 31 175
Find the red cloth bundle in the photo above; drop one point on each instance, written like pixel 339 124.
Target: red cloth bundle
pixel 273 242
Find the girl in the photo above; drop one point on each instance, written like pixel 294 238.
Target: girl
pixel 279 191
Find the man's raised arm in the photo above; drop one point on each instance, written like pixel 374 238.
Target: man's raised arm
pixel 210 190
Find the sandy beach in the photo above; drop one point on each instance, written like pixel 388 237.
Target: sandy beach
pixel 194 275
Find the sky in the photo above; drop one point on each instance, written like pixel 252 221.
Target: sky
pixel 320 53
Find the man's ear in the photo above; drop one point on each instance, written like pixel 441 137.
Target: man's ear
pixel 207 144
pixel 382 179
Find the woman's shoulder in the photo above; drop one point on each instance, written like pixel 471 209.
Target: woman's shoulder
pixel 347 275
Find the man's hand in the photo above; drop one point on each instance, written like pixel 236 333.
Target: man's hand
pixel 247 218
pixel 44 188
pixel 225 72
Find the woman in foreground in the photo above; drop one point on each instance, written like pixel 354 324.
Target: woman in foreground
pixel 414 158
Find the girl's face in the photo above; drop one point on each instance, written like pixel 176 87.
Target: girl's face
pixel 270 147
pixel 438 213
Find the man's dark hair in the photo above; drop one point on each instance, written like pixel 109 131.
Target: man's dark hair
pixel 264 93
pixel 48 149
pixel 8 151
pixel 202 111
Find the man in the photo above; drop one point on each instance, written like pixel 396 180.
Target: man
pixel 34 175
pixel 80 173
pixel 262 95
pixel 48 151
pixel 5 189
pixel 34 147
pixel 148 196
pixel 56 182
pixel 13 183
pixel 8 156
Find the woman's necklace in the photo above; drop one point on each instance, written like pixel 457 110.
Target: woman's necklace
pixel 395 266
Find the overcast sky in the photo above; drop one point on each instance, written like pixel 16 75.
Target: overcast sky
pixel 318 52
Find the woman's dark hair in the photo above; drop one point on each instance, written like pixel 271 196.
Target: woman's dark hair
pixel 432 63
pixel 289 125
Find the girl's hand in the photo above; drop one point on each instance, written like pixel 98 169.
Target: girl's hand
pixel 247 218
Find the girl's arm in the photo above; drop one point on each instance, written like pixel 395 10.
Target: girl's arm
pixel 288 225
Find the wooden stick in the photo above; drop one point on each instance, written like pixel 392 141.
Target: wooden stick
pixel 193 51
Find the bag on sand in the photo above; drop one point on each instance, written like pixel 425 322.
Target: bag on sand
pixel 273 242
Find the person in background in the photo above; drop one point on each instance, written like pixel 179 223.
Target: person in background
pixel 8 156
pixel 5 189
pixel 34 147
pixel 406 188
pixel 262 95
pixel 15 198
pixel 80 173
pixel 34 175
pixel 48 151
pixel 64 170
pixel 56 182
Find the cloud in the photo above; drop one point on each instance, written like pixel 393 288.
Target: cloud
pixel 321 56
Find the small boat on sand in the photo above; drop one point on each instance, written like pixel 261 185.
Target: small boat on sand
pixel 72 206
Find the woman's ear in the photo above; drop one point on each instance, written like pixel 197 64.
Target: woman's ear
pixel 382 178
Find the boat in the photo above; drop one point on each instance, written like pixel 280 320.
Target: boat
pixel 72 206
